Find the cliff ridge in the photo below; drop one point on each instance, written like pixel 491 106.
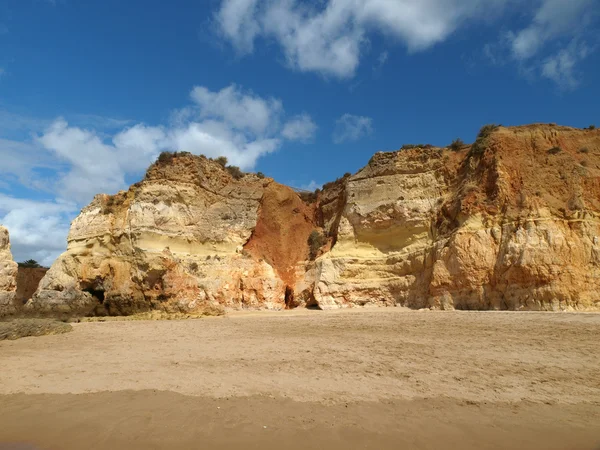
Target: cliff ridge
pixel 510 222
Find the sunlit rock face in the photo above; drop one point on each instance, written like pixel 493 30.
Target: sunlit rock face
pixel 511 222
pixel 175 242
pixel 8 277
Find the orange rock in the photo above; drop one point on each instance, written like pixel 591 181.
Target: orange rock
pixel 511 222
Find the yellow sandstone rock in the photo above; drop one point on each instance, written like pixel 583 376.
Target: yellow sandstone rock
pixel 502 224
pixel 8 276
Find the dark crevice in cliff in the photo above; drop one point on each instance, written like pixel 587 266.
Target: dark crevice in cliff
pixel 312 303
pixel 96 293
pixel 330 207
pixel 28 280
pixel 289 298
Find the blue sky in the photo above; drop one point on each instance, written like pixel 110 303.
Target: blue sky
pixel 304 91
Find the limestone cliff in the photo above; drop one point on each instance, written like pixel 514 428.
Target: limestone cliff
pixel 8 277
pixel 510 222
pixel 175 242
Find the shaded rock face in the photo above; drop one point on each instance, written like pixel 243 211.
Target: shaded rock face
pixel 28 280
pixel 510 223
pixel 8 277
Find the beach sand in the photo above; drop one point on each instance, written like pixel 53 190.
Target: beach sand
pixel 354 379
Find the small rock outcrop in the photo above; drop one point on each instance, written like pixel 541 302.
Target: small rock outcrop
pixel 8 277
pixel 511 222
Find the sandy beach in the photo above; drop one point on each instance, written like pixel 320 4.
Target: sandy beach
pixel 385 378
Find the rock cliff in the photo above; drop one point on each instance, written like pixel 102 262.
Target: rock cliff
pixel 8 277
pixel 175 242
pixel 509 222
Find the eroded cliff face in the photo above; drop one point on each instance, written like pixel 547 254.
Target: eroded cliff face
pixel 175 242
pixel 8 277
pixel 511 222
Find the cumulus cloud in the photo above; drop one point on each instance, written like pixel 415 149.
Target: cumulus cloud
pixel 300 127
pixel 553 19
pixel 552 44
pixel 331 36
pixel 240 110
pixel 231 122
pixel 38 230
pixel 560 67
pixel 20 160
pixel 236 19
pixel 94 166
pixel 349 128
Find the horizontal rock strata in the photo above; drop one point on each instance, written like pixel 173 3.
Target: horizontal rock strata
pixel 508 223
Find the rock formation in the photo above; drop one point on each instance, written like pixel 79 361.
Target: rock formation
pixel 8 277
pixel 175 242
pixel 28 280
pixel 510 222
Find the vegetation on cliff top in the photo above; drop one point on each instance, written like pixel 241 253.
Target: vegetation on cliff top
pixel 30 264
pixel 166 158
pixel 456 145
pixel 482 141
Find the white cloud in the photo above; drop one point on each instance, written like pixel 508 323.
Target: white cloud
pixel 236 19
pixel 12 122
pixel 553 19
pixel 242 111
pixel 540 47
pixel 560 67
pixel 94 165
pixel 100 122
pixel 381 60
pixel 351 128
pixel 211 139
pixel 312 186
pixel 299 128
pixel 239 125
pixel 20 160
pixel 38 230
pixel 330 36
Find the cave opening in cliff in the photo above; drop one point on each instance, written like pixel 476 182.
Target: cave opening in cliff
pixel 98 294
pixel 289 298
pixel 312 303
